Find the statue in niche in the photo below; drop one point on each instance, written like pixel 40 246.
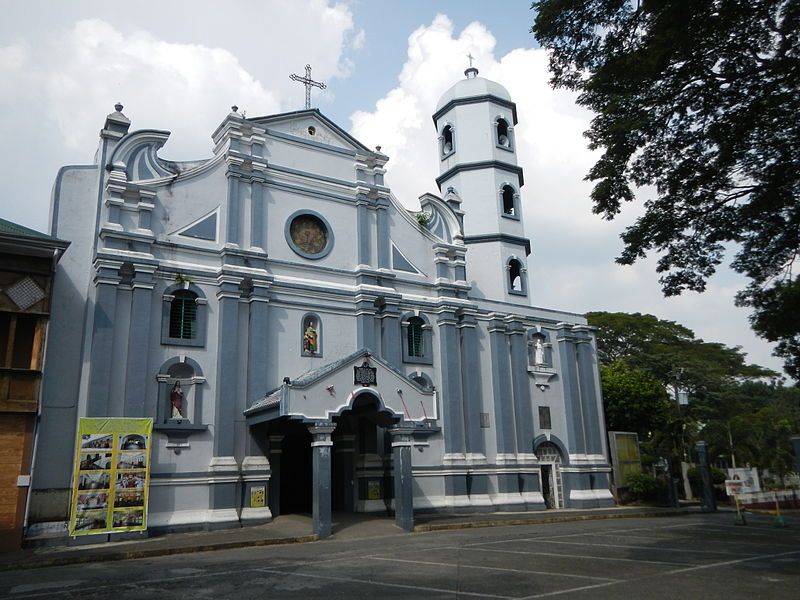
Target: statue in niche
pixel 310 339
pixel 538 351
pixel 176 400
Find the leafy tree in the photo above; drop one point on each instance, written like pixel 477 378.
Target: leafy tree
pixel 699 100
pixel 634 400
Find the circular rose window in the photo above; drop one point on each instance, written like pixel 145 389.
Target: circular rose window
pixel 309 234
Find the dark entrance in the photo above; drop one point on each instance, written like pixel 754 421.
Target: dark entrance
pixel 547 487
pixel 362 458
pixel 295 469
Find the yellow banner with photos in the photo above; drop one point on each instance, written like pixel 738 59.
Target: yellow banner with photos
pixel 112 475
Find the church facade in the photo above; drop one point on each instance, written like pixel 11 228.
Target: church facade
pixel 296 333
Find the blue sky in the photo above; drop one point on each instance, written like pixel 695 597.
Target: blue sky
pixel 180 65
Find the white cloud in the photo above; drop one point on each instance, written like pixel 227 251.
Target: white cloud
pixel 13 56
pixel 572 265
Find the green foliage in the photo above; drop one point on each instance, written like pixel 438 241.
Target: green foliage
pixel 634 400
pixel 423 218
pixel 718 477
pixel 641 487
pixel 698 100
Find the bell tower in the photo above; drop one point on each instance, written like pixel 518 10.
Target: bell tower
pixel 477 152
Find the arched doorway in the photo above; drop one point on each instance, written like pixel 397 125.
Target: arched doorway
pixel 550 468
pixel 361 470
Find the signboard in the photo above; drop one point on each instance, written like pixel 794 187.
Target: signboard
pixel 749 478
pixel 258 496
pixel 365 375
pixel 112 475
pixel 733 487
pixel 373 490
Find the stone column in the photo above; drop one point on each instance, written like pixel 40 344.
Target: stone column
pixel 478 482
pixel 136 376
pixel 364 231
pixel 572 394
pixel 224 468
pixel 403 479
pixel 390 334
pixel 507 496
pixel 384 254
pixel 452 409
pixel 321 484
pixel 520 383
pixel 106 281
pixel 365 323
pixel 258 215
pixel 590 398
pixel 233 230
pixel 257 350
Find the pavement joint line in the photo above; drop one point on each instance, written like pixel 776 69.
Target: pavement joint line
pixel 555 554
pixel 772 530
pixel 732 562
pixel 570 590
pixel 655 548
pixel 501 569
pixel 388 584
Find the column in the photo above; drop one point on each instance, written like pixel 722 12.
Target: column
pixel 364 230
pixel 321 483
pixel 572 400
pixel 105 305
pixel 589 397
pixel 257 350
pixel 224 468
pixel 452 408
pixel 390 335
pixel 384 258
pixel 139 342
pixel 403 479
pixel 508 496
pixel 520 384
pixel 255 478
pixel 478 482
pixel 365 323
pixel 258 215
pixel 234 211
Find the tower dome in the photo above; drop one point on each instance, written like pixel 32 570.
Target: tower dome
pixel 473 87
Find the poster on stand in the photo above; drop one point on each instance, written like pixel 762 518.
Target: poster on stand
pixel 112 475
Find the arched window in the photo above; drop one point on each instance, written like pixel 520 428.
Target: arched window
pixel 422 379
pixel 448 141
pixel 311 335
pixel 508 199
pixel 416 339
pixel 503 138
pixel 416 344
pixel 183 317
pixel 516 277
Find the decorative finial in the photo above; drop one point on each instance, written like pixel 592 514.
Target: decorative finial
pixel 471 71
pixel 308 82
pixel 234 108
pixel 377 148
pixel 118 107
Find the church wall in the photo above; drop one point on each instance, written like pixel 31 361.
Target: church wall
pixel 286 156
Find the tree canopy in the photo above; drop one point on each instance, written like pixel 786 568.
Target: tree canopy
pixel 699 100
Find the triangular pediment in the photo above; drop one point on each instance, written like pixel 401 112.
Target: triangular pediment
pixel 328 391
pixel 314 127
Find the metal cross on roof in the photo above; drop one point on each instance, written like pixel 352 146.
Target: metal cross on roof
pixel 471 58
pixel 308 82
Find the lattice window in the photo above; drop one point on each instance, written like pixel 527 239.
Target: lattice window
pixel 25 293
pixel 183 316
pixel 416 340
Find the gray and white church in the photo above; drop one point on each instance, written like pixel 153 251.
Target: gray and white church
pixel 292 329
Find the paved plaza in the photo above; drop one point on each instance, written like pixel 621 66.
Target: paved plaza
pixel 695 556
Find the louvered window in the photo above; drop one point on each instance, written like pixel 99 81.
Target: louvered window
pixel 183 316
pixel 416 343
